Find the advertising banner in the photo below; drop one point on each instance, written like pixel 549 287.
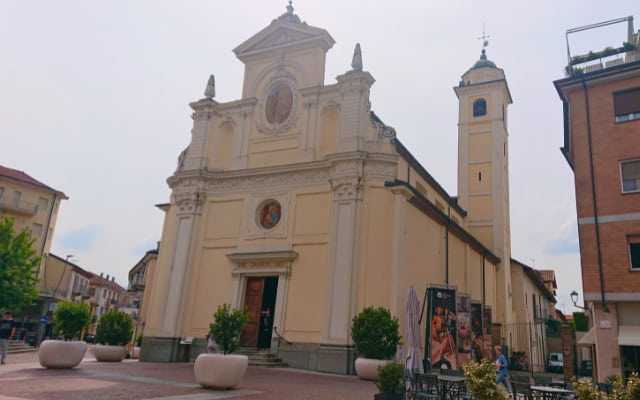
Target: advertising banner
pixel 477 333
pixel 442 328
pixel 463 308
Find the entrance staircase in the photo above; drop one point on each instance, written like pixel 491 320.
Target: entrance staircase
pixel 18 346
pixel 261 358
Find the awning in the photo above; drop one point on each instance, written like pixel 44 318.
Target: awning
pixel 628 335
pixel 589 338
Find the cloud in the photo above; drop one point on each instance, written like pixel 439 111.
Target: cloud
pixel 81 239
pixel 566 242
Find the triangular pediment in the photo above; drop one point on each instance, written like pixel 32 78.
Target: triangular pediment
pixel 282 34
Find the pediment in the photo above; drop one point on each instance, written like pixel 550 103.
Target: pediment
pixel 282 34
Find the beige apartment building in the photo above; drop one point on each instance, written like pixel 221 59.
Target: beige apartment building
pixel 300 203
pixel 32 205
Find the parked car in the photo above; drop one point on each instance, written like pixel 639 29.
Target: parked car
pixel 586 367
pixel 89 338
pixel 555 362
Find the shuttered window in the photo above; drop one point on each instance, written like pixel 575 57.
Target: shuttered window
pixel 630 173
pixel 626 104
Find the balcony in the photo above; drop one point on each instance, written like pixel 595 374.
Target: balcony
pixel 595 61
pixel 18 206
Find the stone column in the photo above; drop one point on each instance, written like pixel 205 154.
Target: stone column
pixel 196 154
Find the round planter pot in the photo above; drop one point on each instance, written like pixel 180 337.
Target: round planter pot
pixel 367 368
pixel 109 353
pixel 220 371
pixel 61 354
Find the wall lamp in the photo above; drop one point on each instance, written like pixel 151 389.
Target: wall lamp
pixel 574 299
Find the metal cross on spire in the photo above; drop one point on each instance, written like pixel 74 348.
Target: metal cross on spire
pixel 484 37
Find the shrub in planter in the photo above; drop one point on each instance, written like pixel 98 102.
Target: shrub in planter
pixel 223 370
pixel 114 329
pixel 228 324
pixel 69 319
pixel 390 382
pixel 139 341
pixel 375 334
pixel 112 334
pixel 481 381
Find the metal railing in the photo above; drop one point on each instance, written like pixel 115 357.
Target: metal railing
pixel 18 206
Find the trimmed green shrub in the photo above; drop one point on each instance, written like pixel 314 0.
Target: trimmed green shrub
pixel 580 322
pixel 114 328
pixel 390 379
pixel 69 319
pixel 375 333
pixel 227 326
pixel 139 341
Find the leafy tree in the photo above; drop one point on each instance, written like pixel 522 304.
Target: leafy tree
pixel 114 329
pixel 580 322
pixel 228 324
pixel 481 381
pixel 69 319
pixel 18 267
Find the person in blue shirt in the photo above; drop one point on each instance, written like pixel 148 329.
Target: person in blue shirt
pixel 501 365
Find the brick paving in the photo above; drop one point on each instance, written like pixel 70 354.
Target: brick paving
pixel 24 379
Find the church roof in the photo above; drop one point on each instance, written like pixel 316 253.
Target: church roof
pixel 483 62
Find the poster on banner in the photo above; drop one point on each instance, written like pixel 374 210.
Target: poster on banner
pixel 463 308
pixel 486 325
pixel 477 333
pixel 442 328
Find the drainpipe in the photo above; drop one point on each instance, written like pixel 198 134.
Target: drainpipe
pixel 593 195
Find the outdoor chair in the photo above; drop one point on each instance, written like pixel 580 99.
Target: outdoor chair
pixel 427 386
pixel 523 391
pixel 541 380
pixel 520 379
pixel 409 377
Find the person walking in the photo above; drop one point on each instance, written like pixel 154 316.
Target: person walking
pixel 501 365
pixel 7 330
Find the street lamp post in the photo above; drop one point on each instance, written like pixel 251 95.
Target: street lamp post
pixel 574 299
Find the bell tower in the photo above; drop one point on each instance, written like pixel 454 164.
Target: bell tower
pixel 483 167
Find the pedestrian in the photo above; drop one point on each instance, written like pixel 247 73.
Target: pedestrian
pixel 501 365
pixel 7 330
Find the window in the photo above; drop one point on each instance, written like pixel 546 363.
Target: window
pixel 16 197
pixel 634 251
pixel 479 108
pixel 43 203
pixel 626 104
pixel 630 173
pixel 1 191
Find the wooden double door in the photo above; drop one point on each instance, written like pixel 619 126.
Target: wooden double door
pixel 260 299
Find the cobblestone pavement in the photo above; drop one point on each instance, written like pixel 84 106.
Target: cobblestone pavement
pixel 22 378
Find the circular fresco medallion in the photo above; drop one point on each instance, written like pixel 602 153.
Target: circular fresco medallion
pixel 279 104
pixel 269 214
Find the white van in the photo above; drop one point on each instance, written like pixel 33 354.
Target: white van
pixel 555 362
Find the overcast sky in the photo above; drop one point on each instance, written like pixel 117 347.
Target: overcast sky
pixel 94 102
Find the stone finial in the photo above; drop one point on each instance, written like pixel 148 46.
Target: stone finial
pixel 356 62
pixel 210 91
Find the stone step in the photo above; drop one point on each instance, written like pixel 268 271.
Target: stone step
pixel 262 358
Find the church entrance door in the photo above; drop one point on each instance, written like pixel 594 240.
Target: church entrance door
pixel 260 299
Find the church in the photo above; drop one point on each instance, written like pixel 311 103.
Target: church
pixel 300 203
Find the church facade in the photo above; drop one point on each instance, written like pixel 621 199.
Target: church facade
pixel 299 203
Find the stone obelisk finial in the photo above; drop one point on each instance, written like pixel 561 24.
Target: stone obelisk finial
pixel 210 90
pixel 356 62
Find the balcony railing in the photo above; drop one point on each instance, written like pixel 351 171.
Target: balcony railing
pixel 18 206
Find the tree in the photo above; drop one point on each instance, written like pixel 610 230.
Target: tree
pixel 18 267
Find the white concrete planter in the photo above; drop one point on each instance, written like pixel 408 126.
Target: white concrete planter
pixel 109 353
pixel 220 371
pixel 367 368
pixel 61 354
pixel 135 353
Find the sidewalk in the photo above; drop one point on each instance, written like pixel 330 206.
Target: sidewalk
pixel 23 378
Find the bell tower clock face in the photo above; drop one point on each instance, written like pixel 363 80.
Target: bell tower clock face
pixel 279 104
